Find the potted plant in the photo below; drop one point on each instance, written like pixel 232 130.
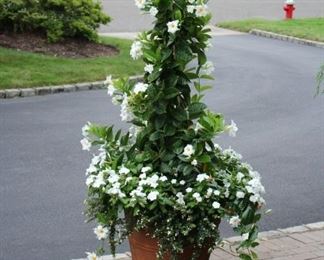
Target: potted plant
pixel 165 184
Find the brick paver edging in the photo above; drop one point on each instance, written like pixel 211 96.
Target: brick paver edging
pixel 286 38
pixel 40 91
pixel 294 243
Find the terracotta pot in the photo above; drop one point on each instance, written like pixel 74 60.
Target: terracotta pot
pixel 144 247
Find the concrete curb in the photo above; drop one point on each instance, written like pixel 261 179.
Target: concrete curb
pixel 263 236
pixel 41 91
pixel 282 37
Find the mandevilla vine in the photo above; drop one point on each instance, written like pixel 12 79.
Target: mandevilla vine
pixel 166 175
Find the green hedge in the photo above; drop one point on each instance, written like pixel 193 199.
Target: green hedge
pixel 57 19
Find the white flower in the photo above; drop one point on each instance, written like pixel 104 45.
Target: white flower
pixel 163 178
pixel 91 169
pixel 152 181
pixel 232 154
pixel 180 199
pixel 92 256
pixel 153 11
pixel 125 112
pixel 111 90
pixel 149 68
pixel 128 179
pixel 197 196
pixel 99 181
pixel 115 100
pixel 110 85
pixel 188 190
pixel 152 195
pixel 90 180
pixel 209 192
pixel 207 68
pixel 231 129
pixel 239 176
pixel 235 221
pixel 140 3
pixel 201 10
pixel 216 192
pixel 146 169
pixel 113 177
pixel 217 147
pixel 136 50
pixel 86 145
pixel 191 1
pixel 142 176
pixel 194 162
pixel 254 186
pixel 254 198
pixel 188 150
pixel 182 182
pixel 173 181
pixel 108 80
pixel 240 194
pixel 140 87
pixel 245 236
pixel 101 232
pixel 173 26
pixel 85 129
pixel 190 9
pixel 124 170
pixel 216 205
pixel 201 177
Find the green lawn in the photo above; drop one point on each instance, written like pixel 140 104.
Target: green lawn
pixel 310 28
pixel 19 69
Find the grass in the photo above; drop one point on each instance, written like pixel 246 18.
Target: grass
pixel 309 28
pixel 19 69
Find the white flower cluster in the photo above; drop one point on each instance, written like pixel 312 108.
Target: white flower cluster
pixel 125 111
pixel 136 50
pixel 255 188
pixel 147 182
pixel 197 8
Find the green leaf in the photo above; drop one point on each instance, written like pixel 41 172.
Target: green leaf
pixel 155 136
pixel 204 158
pixel 165 168
pixel 169 130
pixel 196 109
pixel 245 257
pixel 180 114
pixel 187 170
pixel 171 93
pixel 166 54
pixel 159 121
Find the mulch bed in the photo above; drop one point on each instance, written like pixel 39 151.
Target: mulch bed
pixel 72 48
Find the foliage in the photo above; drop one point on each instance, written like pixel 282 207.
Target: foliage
pixel 166 174
pixel 306 28
pixel 56 18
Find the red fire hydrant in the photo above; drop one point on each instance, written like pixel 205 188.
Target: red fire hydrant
pixel 289 9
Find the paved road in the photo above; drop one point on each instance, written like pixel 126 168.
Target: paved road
pixel 265 85
pixel 127 18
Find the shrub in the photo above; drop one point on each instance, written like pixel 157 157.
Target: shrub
pixel 57 19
